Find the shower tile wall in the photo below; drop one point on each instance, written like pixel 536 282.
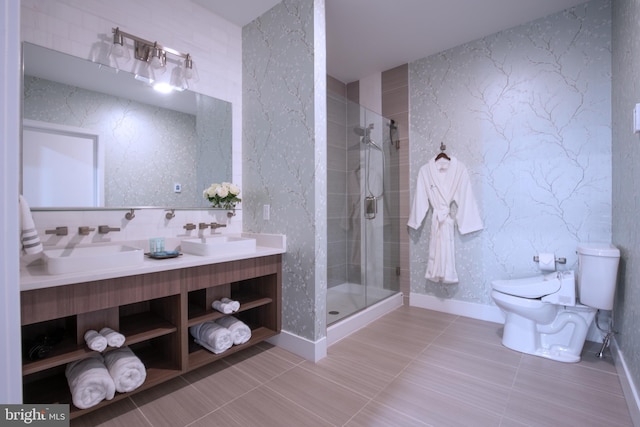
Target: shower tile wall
pixel 344 200
pixel 395 106
pixel 336 183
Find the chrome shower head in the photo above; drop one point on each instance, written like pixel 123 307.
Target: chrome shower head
pixel 360 131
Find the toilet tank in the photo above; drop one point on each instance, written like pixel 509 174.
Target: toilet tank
pixel 597 274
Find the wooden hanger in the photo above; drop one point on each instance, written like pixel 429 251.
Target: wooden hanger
pixel 442 154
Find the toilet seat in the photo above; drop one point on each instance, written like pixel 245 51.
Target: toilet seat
pixel 529 287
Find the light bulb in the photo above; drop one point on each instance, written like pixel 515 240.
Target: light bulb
pixel 158 57
pixel 117 51
pixel 163 87
pixel 189 70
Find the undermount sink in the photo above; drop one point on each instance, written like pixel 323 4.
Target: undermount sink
pixel 219 245
pixel 91 258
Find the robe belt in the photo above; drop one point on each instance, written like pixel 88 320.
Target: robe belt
pixel 442 214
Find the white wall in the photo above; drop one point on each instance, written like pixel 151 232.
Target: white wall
pixel 10 356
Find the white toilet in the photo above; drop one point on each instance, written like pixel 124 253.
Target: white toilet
pixel 544 318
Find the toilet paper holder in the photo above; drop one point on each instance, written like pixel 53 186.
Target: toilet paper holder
pixel 558 260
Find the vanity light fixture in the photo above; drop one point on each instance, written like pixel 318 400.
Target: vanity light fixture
pixel 153 59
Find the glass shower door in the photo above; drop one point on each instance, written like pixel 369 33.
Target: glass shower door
pixel 363 208
pixel 380 206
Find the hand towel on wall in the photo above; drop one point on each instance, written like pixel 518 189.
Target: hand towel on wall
pixel 212 336
pixel 29 238
pixel 126 369
pixel 240 332
pixel 89 381
pixel 440 184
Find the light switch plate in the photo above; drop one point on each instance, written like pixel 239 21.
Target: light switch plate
pixel 636 119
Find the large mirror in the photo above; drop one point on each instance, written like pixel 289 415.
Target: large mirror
pixel 95 137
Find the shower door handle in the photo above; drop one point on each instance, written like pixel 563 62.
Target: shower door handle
pixel 370 207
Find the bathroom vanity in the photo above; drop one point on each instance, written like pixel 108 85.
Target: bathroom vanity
pixel 153 305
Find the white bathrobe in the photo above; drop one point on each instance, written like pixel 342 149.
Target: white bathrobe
pixel 440 184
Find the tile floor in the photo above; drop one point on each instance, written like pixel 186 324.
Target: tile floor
pixel 412 367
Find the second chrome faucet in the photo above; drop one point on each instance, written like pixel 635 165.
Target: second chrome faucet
pixel 104 229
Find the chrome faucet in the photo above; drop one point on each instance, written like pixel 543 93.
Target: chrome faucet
pixel 215 225
pixel 104 229
pixel 59 231
pixel 202 226
pixel 84 231
pixel 189 226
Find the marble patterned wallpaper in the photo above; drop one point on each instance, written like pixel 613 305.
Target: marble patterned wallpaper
pixel 626 178
pixel 527 110
pixel 146 148
pixel 284 151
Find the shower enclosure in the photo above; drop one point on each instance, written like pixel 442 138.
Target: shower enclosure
pixel 363 209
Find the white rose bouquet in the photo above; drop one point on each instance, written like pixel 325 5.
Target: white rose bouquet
pixel 223 195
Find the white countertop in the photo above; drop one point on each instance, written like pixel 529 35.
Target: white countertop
pixel 35 276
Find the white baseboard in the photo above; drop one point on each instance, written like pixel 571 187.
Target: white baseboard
pixel 315 351
pixel 461 308
pixel 307 349
pixel 628 386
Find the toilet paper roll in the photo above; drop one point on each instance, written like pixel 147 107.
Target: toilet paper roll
pixel 547 261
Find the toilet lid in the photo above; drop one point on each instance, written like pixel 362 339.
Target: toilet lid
pixel 528 287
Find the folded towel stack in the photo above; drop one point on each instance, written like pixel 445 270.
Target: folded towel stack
pixel 126 369
pixel 29 238
pixel 240 332
pixel 89 381
pixel 95 341
pixel 226 305
pixel 114 339
pixel 212 336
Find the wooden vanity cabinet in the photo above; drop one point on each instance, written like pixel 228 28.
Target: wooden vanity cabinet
pixel 154 311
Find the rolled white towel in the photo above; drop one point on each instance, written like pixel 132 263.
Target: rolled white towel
pixel 114 339
pixel 89 381
pixel 235 305
pixel 208 347
pixel 126 369
pixel 240 332
pixel 212 336
pixel 222 307
pixel 95 341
